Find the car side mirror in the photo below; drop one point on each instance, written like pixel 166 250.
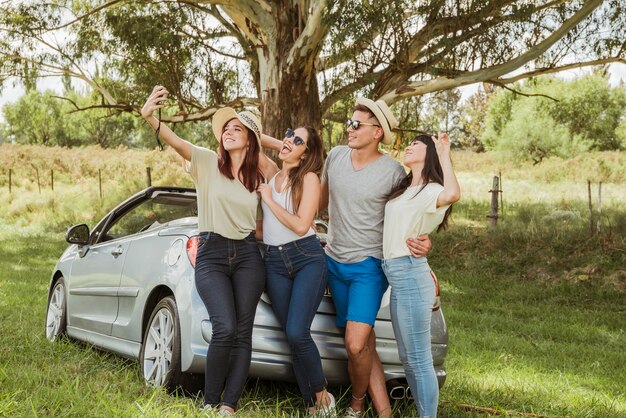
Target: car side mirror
pixel 78 234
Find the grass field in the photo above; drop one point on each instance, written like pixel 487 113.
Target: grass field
pixel 536 308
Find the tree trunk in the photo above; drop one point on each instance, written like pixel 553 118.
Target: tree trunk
pixel 289 91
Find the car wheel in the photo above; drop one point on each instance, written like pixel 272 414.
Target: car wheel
pixel 56 314
pixel 160 351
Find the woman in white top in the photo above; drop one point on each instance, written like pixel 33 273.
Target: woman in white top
pixel 420 204
pixel 294 258
pixel 230 275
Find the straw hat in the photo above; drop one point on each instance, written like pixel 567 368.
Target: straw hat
pixel 248 119
pixel 387 120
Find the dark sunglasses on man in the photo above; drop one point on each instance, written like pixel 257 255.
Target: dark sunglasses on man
pixel 355 124
pixel 296 139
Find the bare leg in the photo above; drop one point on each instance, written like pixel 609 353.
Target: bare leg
pixel 359 361
pixel 377 388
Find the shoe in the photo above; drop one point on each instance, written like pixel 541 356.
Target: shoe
pixel 351 413
pixel 214 411
pixel 208 410
pixel 328 410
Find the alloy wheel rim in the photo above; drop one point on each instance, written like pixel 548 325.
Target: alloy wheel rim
pixel 159 346
pixel 55 312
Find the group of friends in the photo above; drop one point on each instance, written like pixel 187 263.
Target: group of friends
pixel 379 221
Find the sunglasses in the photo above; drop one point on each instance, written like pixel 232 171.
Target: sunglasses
pixel 356 124
pixel 296 139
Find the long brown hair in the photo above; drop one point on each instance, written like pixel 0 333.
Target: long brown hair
pixel 252 176
pixel 313 162
pixel 431 173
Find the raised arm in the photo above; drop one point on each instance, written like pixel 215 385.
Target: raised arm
pixel 301 221
pixel 451 189
pixel 154 102
pixel 267 165
pixel 270 142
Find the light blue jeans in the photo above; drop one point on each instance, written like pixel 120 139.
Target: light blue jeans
pixel 412 299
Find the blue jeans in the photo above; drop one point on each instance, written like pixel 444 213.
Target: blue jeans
pixel 230 278
pixel 296 280
pixel 412 299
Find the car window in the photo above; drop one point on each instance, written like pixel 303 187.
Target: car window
pixel 151 214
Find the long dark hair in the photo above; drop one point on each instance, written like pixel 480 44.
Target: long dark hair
pixel 431 173
pixel 252 176
pixel 313 162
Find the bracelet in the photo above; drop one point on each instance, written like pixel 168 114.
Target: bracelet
pixel 359 399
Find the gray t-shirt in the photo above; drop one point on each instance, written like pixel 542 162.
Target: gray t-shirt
pixel 356 206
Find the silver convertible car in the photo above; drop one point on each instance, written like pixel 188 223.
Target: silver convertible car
pixel 127 286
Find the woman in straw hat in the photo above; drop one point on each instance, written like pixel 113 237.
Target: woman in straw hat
pixel 294 258
pixel 419 204
pixel 230 275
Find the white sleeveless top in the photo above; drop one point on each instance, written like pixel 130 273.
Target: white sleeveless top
pixel 274 232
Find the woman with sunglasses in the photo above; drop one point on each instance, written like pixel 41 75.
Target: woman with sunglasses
pixel 419 204
pixel 294 258
pixel 230 275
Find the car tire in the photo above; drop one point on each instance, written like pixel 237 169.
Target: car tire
pixel 56 314
pixel 160 351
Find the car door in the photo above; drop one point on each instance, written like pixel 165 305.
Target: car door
pixel 94 284
pixel 93 301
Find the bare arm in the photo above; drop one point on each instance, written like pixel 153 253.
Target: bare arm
pixel 154 102
pixel 270 142
pixel 301 221
pixel 323 196
pixel 267 165
pixel 451 189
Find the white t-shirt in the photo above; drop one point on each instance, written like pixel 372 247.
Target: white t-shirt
pixel 274 232
pixel 409 215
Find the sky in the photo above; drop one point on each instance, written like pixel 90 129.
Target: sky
pixel 10 93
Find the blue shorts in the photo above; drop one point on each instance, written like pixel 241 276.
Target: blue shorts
pixel 357 289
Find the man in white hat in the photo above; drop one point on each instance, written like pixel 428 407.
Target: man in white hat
pixel 356 182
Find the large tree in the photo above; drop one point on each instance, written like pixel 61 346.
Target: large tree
pixel 300 61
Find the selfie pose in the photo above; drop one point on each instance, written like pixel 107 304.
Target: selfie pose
pixel 294 258
pixel 420 204
pixel 229 274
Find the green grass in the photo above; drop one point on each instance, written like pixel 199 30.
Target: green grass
pixel 517 342
pixel 536 308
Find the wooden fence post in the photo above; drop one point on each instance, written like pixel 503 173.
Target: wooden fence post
pixel 100 182
pixel 493 214
pixel 148 177
pixel 501 195
pixel 52 179
pixel 590 207
pixel 599 222
pixel 38 183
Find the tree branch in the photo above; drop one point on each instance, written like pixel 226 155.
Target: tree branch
pixel 491 73
pixel 504 86
pixel 91 12
pixel 310 40
pixel 551 70
pixel 121 107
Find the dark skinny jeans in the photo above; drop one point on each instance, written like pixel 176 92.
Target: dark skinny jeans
pixel 296 279
pixel 230 277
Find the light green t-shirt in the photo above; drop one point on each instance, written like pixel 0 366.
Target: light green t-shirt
pixel 413 213
pixel 225 206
